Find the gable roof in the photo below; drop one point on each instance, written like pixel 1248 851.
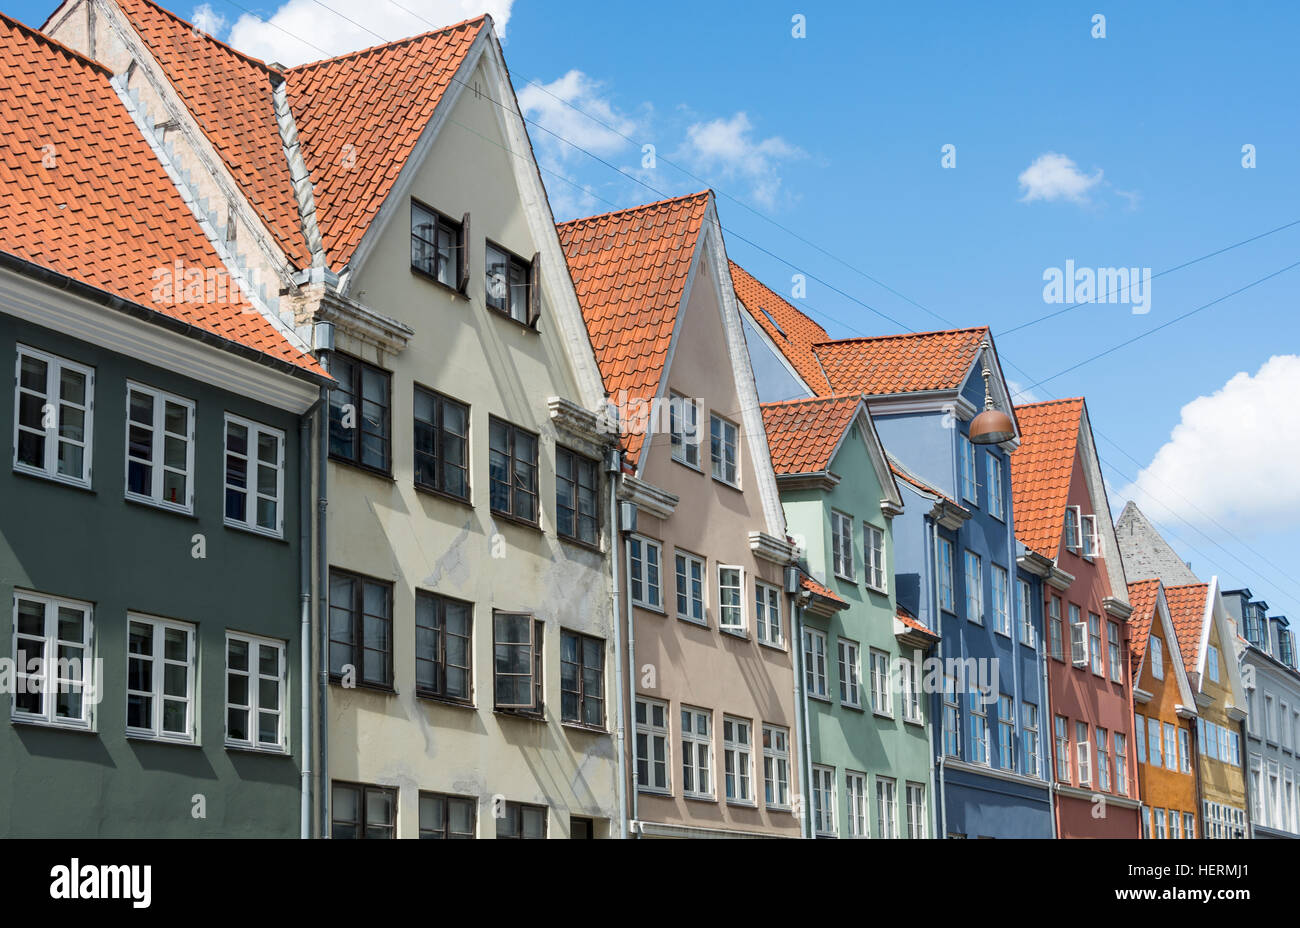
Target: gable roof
pixel 358 118
pixel 1145 552
pixel 803 435
pixel 1187 610
pixel 790 329
pixel 106 214
pixel 229 95
pixel 1142 596
pixel 378 101
pixel 630 270
pixel 915 362
pixel 1041 469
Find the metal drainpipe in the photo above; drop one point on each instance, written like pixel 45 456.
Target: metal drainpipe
pixel 322 599
pixel 613 468
pixel 304 634
pixel 937 698
pixel 803 732
pixel 635 825
pixel 1047 733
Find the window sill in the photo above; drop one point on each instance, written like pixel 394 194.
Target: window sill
pixel 698 623
pixel 689 466
pixel 728 484
pixel 155 739
pixel 919 723
pixel 449 701
pixel 580 544
pixel 852 708
pixel 533 717
pixel 42 476
pixel 697 797
pixel 466 501
pixel 877 589
pixel 1031 645
pixel 367 687
pixel 1006 635
pixel 516 520
pixel 775 646
pixel 425 275
pixel 657 610
pixel 586 729
pixel 883 715
pixel 160 507
pixel 249 749
pixel 825 699
pixel 844 579
pixel 364 468
pixel 501 314
pixel 86 729
pixel 249 530
pixel 742 803
pixel 651 791
pixel 740 635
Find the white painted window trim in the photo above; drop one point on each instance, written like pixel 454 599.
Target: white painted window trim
pixel 763 622
pixel 848 659
pixel 843 563
pixel 53 365
pixel 728 437
pixel 251 492
pixel 815 678
pixel 734 628
pixel 824 789
pixel 691 560
pixel 158 661
pixel 643 601
pixel 874 558
pixel 49 671
pixel 773 767
pixel 652 733
pixel 159 435
pixel 974 586
pixel 734 751
pixel 855 804
pixel 1001 589
pixel 694 739
pixel 677 403
pixel 255 708
pixel 886 807
pixel 882 696
pixel 997 495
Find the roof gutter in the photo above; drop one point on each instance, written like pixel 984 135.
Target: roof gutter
pixel 111 301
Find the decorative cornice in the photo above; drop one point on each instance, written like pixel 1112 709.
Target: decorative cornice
pixel 889 508
pixel 1142 696
pixel 387 334
pixel 1236 713
pixel 657 502
pixel 913 637
pixel 996 773
pixel 822 480
pixel 1184 712
pixel 819 605
pixel 1060 579
pixel 571 419
pixel 1076 792
pixel 1117 607
pixel 1035 563
pixel 770 548
pixel 948 514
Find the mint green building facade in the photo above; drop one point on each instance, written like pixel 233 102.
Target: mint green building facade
pixel 867 723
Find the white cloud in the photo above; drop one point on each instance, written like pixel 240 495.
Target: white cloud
pixel 1019 395
pixel 575 108
pixel 728 146
pixel 1233 454
pixel 208 20
pixel 302 30
pixel 1055 177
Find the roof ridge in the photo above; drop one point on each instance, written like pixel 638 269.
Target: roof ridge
pixel 824 398
pixel 383 46
pixel 1061 400
pixel 55 44
pixel 873 338
pixel 204 35
pixel 634 209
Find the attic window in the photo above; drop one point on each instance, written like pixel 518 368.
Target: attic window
pixel 776 325
pixel 437 246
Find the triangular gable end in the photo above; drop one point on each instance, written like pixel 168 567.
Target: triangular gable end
pixel 998 389
pixel 1110 553
pixel 1216 615
pixel 1175 652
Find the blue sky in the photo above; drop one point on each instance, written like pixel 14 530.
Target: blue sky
pixel 1135 142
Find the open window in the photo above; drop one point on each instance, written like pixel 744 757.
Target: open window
pixel 1073 529
pixel 1089 540
pixel 1079 644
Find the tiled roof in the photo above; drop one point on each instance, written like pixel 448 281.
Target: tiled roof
pixel 789 328
pixel 1041 469
pixel 803 434
pixel 911 363
pixel 920 484
pixel 913 623
pixel 229 95
pixel 1142 596
pixel 808 583
pixel 1187 609
pixel 82 194
pixel 629 269
pixel 359 117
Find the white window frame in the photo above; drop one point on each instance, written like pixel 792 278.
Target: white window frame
pixel 1140 735
pixel 1001 600
pixel 1073 529
pixel 855 804
pixel 979 729
pixel 251 492
pixel 767 614
pixel 701 774
pixel 158 435
pixel 1171 746
pixel 254 708
pixel 873 558
pixel 1025 608
pixel 1083 751
pixel 969 475
pixel 158 661
pixel 951 717
pixel 1114 652
pixel 641 565
pixel 1006 732
pixel 825 822
pixel 653 733
pixel 1089 540
pixel 1055 629
pixel 734 627
pixel 997 498
pixel 54 365
pixel 917 823
pixel 1102 738
pixel 776 767
pixel 886 807
pixel 849 663
pixel 684 451
pixel 910 693
pixel 1157 658
pixel 1029 728
pixel 815 663
pixel 728 440
pixel 1095 655
pixel 49 680
pixel 882 695
pixel 1212 663
pixel 1121 763
pixel 1078 638
pixel 738 761
pixel 1184 751
pixel 842 560
pixel 693 565
pixel 974 587
pixel 947 592
pixel 1061 732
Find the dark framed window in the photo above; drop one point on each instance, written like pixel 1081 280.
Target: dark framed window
pixel 517 661
pixel 521 821
pixel 438 246
pixel 441 443
pixel 581 828
pixel 512 465
pixel 444 629
pixel 577 506
pixel 582 679
pixel 360 413
pixel 508 285
pixel 361 628
pixel 443 816
pixel 358 810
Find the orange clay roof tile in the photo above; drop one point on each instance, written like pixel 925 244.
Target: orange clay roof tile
pixel 1041 469
pixel 1187 609
pixel 629 269
pixel 789 328
pixel 911 363
pixel 102 211
pixel 1142 596
pixel 808 583
pixel 803 434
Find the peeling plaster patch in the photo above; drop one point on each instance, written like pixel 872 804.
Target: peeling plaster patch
pixel 454 563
